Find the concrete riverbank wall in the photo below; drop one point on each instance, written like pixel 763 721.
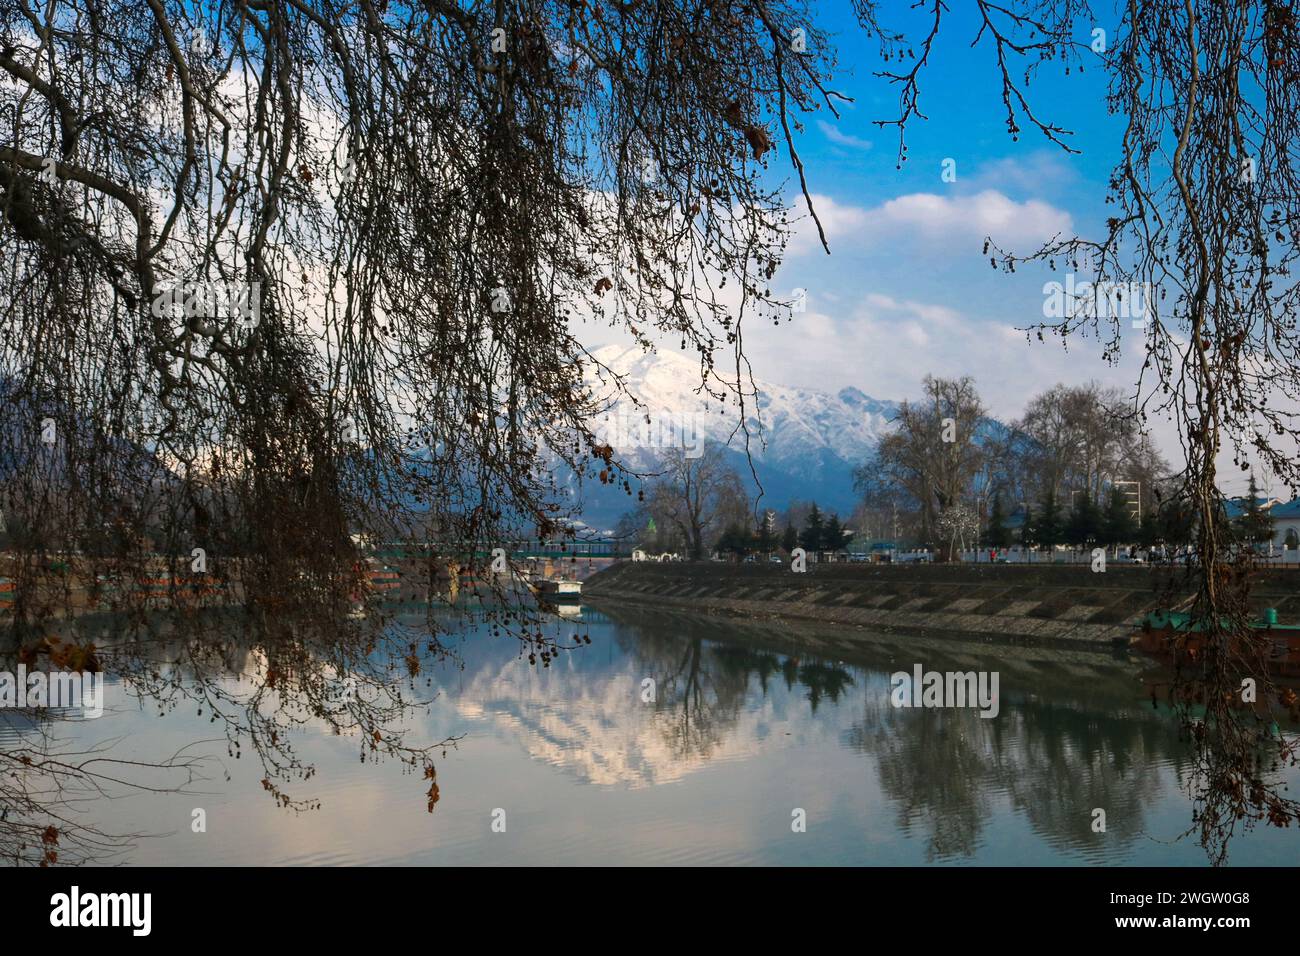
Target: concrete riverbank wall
pixel 1047 604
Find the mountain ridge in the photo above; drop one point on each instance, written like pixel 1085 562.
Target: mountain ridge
pixel 805 442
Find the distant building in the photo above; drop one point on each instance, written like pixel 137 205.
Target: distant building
pixel 876 550
pixel 1236 507
pixel 1284 514
pixel 1286 524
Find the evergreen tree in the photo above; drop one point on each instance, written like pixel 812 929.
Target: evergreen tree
pixel 833 534
pixel 789 539
pixel 765 536
pixel 1048 530
pixel 1177 524
pixel 736 539
pixel 1084 525
pixel 999 535
pixel 1029 528
pixel 811 539
pixel 1255 525
pixel 1149 530
pixel 1118 526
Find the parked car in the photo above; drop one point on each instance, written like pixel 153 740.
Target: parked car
pixel 775 560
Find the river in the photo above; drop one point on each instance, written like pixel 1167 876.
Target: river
pixel 668 739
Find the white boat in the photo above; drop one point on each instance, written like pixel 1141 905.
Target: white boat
pixel 558 589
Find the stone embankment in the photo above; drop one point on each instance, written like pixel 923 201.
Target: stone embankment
pixel 1044 604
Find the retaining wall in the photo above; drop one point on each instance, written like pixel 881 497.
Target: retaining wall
pixel 1056 604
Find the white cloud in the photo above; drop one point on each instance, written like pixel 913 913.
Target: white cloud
pixel 838 221
pixel 886 345
pixel 1036 173
pixel 933 218
pixel 835 135
pixel 985 213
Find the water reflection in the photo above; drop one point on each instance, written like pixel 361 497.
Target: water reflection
pixel 1072 739
pixel 668 738
pixel 1054 761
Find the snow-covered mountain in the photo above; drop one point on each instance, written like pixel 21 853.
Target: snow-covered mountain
pixel 805 442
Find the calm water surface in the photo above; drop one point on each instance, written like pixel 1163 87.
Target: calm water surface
pixel 748 724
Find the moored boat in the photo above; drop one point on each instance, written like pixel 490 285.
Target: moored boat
pixel 1181 635
pixel 558 589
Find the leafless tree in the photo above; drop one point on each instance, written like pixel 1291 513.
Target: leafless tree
pixel 277 272
pixel 698 496
pixel 1084 437
pixel 258 687
pixel 1205 199
pixel 280 276
pixel 933 453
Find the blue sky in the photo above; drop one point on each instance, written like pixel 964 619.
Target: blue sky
pixel 907 288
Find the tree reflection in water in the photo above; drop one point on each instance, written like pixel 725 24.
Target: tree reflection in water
pixel 258 677
pixel 1063 745
pixel 1069 737
pixel 1051 760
